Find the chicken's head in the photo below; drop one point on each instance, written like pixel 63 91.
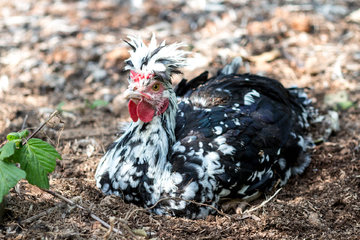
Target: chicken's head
pixel 151 68
pixel 149 96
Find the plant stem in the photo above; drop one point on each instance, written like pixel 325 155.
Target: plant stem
pixel 41 126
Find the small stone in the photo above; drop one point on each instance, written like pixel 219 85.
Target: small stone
pixel 301 24
pixel 345 151
pixel 312 65
pixel 140 232
pixel 330 100
pixel 99 74
pixel 314 219
pixel 55 81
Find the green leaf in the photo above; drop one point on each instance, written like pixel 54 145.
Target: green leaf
pixel 8 150
pixel 17 135
pixel 9 176
pixel 24 133
pixel 38 158
pixel 16 157
pixel 60 105
pixel 13 136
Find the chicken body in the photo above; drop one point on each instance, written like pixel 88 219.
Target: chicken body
pixel 230 136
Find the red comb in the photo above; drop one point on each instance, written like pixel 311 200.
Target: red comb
pixel 137 76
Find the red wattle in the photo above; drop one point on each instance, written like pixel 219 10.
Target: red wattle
pixel 132 110
pixel 144 111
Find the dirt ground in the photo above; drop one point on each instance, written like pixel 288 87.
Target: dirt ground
pixel 68 55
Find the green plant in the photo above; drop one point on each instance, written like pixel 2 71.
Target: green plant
pixel 95 103
pixel 99 103
pixel 36 158
pixel 59 106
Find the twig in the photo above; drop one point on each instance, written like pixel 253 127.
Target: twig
pixel 62 129
pixel 45 213
pixel 36 131
pixel 112 222
pixel 24 122
pixel 39 128
pixel 3 143
pixel 180 199
pixel 263 203
pixel 123 223
pixel 81 207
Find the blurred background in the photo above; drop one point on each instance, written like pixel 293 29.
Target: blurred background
pixel 71 52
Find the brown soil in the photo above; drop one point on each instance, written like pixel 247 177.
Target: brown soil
pixel 71 52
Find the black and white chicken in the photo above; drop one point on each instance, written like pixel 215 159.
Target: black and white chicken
pixel 229 136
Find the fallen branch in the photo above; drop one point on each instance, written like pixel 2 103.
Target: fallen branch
pixel 42 214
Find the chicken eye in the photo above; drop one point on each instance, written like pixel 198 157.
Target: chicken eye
pixel 156 87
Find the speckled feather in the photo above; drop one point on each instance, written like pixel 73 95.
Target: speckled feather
pixel 230 136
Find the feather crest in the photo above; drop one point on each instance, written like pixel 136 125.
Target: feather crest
pixel 155 58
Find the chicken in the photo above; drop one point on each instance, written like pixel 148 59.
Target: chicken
pixel 210 139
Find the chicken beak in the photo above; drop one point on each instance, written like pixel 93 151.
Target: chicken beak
pixel 130 94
